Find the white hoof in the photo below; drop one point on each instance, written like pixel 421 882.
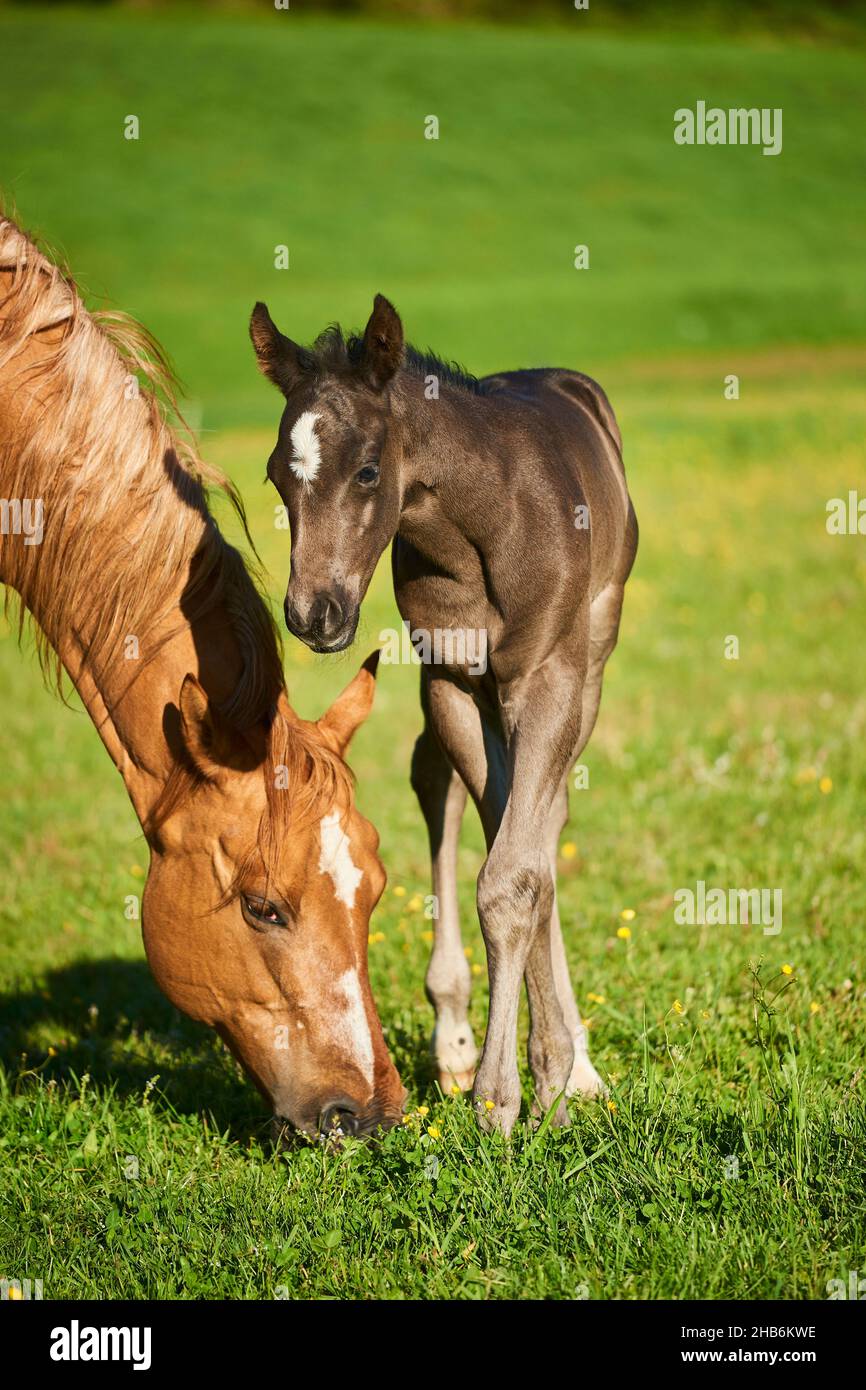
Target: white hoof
pixel 464 1080
pixel 585 1080
pixel 455 1055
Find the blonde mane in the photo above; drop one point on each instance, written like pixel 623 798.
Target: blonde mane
pixel 100 434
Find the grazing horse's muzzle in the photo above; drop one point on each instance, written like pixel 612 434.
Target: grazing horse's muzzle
pixel 329 623
pixel 338 1119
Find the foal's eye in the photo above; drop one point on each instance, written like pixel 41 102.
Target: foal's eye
pixel 259 912
pixel 368 476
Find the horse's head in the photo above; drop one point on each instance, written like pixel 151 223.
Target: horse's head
pixel 334 467
pixel 256 910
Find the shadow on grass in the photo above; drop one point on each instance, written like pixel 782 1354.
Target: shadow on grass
pixel 107 1018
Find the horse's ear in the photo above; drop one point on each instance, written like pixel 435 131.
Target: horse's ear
pixel 214 747
pixel 383 344
pixel 350 709
pixel 280 359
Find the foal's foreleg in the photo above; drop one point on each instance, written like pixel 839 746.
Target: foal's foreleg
pixel 475 746
pixel 442 796
pixel 515 904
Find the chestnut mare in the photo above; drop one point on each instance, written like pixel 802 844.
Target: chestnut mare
pixel 262 872
pixel 507 503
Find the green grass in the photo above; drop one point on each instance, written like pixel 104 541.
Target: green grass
pixel 152 1177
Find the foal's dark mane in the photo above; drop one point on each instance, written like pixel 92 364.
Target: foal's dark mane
pixel 451 373
pixel 334 354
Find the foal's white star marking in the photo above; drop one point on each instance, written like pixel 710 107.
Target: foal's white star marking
pixel 306 455
pixel 336 860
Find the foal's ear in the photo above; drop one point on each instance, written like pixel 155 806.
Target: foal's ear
pixel 280 359
pixel 383 344
pixel 213 745
pixel 350 709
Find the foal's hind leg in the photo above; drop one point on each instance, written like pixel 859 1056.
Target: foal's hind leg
pixel 442 796
pixel 605 612
pixel 584 1079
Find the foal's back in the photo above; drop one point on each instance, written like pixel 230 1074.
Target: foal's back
pixel 577 443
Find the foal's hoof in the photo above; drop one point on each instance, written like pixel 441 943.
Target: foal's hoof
pixel 463 1080
pixel 495 1116
pixel 560 1119
pixel 585 1081
pixel 454 1055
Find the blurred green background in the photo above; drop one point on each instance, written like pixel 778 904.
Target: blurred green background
pixel 260 128
pixel 309 133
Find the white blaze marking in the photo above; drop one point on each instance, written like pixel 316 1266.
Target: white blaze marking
pixel 306 456
pixel 352 1027
pixel 336 860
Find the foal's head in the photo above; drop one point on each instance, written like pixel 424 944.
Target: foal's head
pixel 256 910
pixel 333 466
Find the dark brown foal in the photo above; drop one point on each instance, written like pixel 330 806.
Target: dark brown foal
pixel 513 533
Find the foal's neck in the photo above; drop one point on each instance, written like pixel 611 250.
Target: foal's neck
pixel 443 453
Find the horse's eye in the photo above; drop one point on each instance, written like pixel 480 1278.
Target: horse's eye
pixel 368 476
pixel 262 913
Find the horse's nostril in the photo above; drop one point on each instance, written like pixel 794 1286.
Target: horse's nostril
pixel 339 1119
pixel 326 618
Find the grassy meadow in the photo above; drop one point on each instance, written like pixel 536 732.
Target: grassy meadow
pixel 134 1160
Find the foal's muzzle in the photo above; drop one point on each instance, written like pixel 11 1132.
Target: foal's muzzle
pixel 329 624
